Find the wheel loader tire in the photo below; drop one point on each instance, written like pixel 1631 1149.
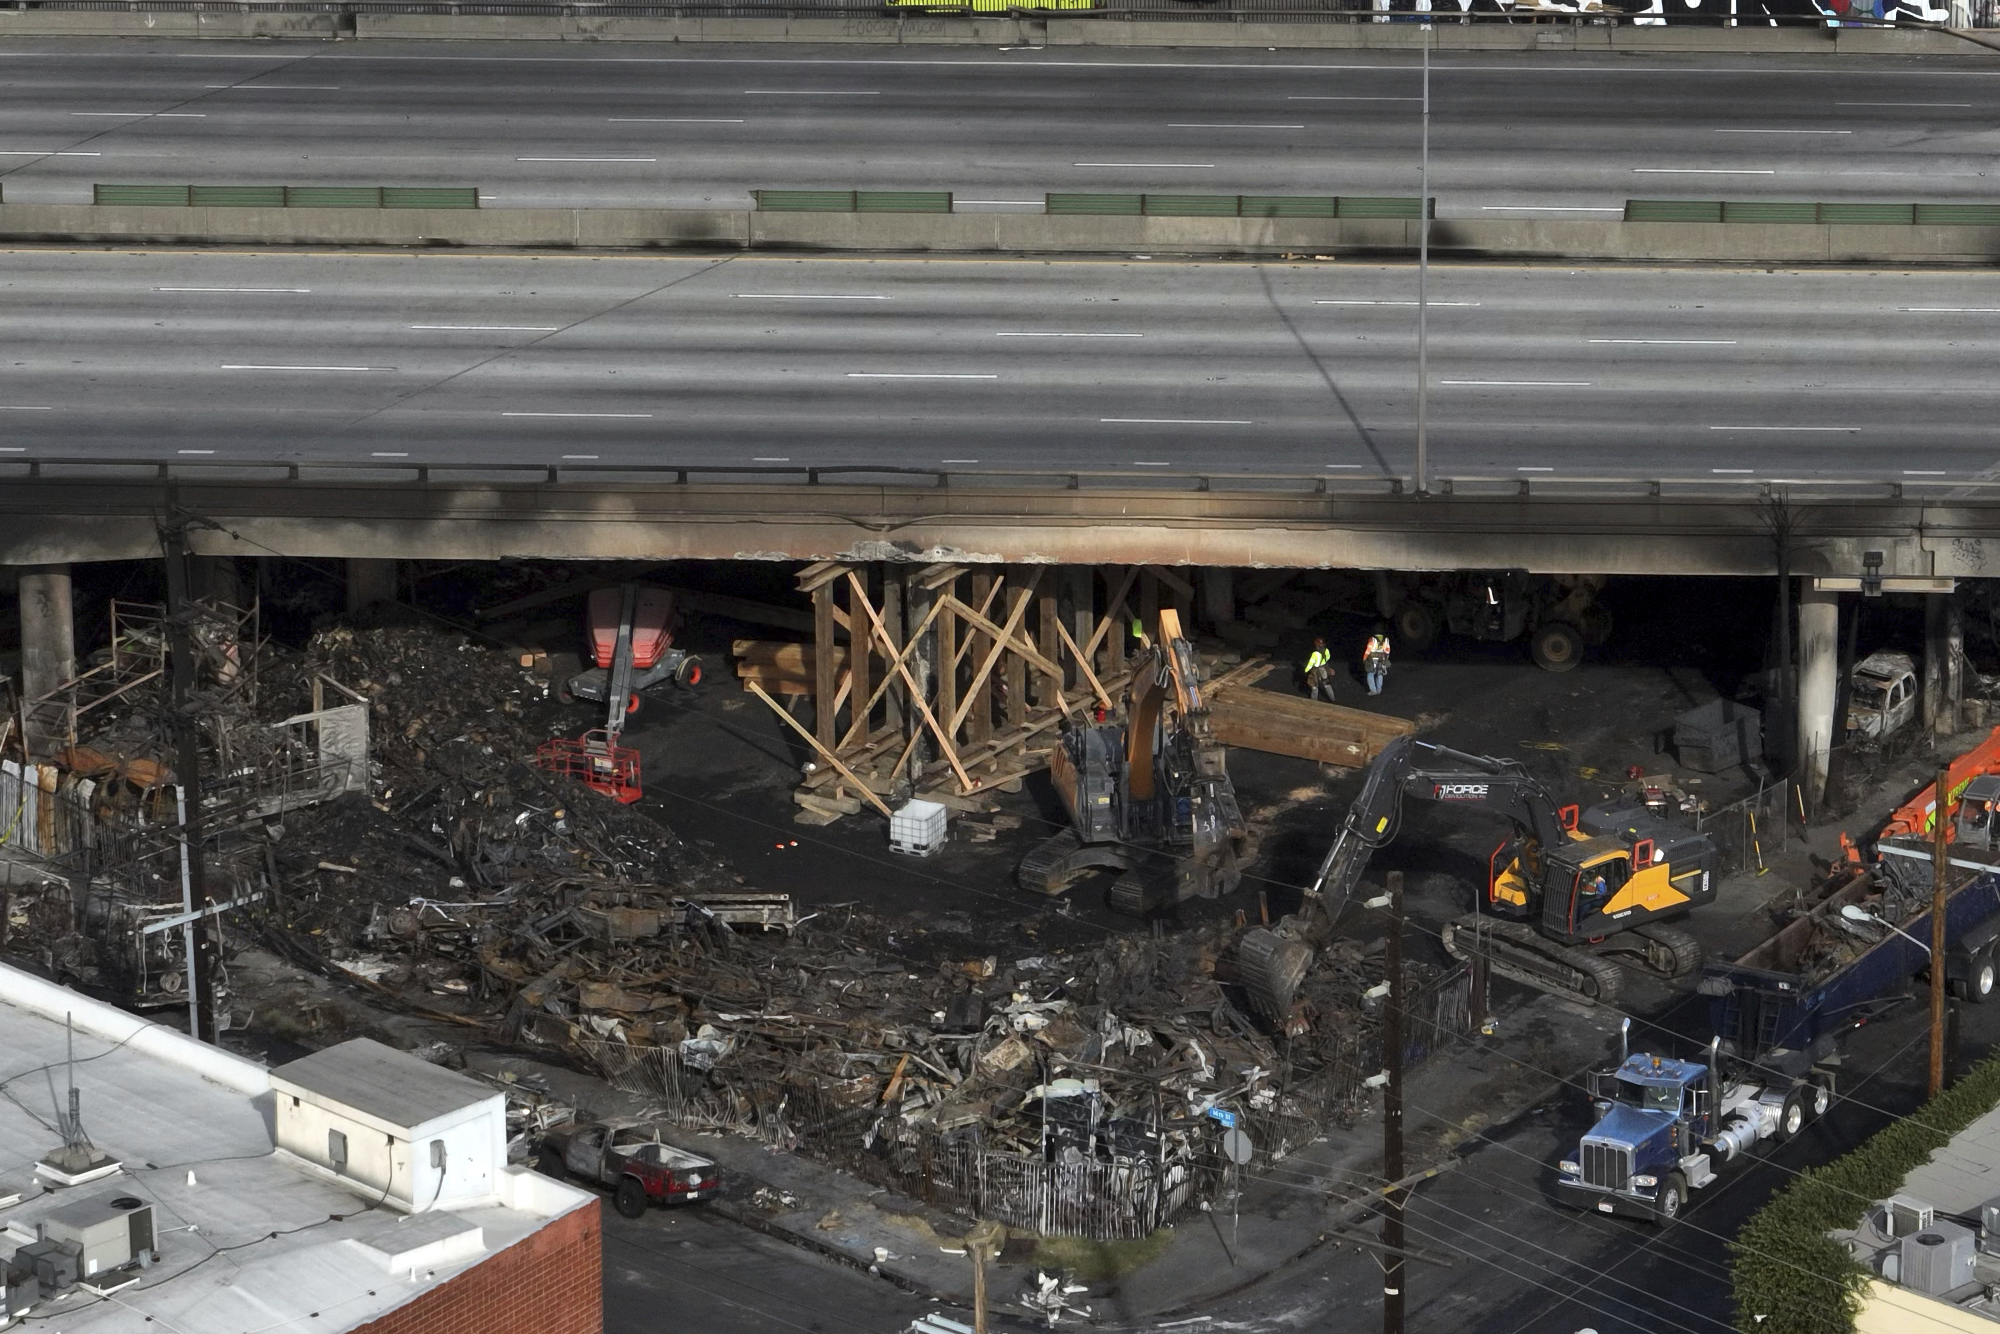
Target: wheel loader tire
pixel 1417 626
pixel 630 1197
pixel 1557 647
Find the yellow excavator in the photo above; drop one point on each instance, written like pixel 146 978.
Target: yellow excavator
pixel 1149 797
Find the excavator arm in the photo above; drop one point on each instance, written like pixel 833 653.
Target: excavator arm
pixel 1407 767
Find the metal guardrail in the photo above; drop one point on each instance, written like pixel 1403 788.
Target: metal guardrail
pixel 852 201
pixel 1779 210
pixel 1073 204
pixel 71 468
pixel 287 196
pixel 1752 14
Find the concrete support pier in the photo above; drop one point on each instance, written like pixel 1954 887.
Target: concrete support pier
pixel 1819 678
pixel 48 649
pixel 369 580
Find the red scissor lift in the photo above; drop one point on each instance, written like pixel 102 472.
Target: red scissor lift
pixel 595 758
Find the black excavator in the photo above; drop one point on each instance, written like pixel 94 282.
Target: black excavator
pixel 1570 896
pixel 1149 797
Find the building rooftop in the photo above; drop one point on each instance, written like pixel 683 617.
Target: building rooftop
pixel 391 1086
pixel 247 1241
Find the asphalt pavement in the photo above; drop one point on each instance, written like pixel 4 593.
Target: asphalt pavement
pixel 1130 367
pixel 1556 135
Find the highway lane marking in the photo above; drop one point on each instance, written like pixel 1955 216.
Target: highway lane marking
pixel 1143 164
pixel 238 367
pixel 1323 302
pixel 1784 132
pixel 1954 106
pixel 1669 342
pixel 194 451
pixel 1217 125
pixel 145 115
pixel 1316 98
pixel 1840 430
pixel 1337 466
pixel 289 291
pixel 492 328
pixel 17 407
pixel 1174 421
pixel 577 414
pixel 1952 310
pixel 958 460
pixel 13 449
pixel 806 92
pixel 1704 171
pixel 1735 472
pixel 1925 472
pixel 580 458
pixel 1524 469
pixel 770 459
pixel 807 296
pixel 1151 463
pixel 1069 335
pixel 43 152
pixel 915 375
pixel 280 87
pixel 674 120
pixel 1551 384
pixel 389 454
pixel 586 159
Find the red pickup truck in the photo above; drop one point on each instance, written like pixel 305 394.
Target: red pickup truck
pixel 630 1157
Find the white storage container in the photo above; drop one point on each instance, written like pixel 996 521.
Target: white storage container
pixel 917 829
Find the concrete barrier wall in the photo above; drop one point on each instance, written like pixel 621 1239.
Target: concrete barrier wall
pixel 998 233
pixel 921 30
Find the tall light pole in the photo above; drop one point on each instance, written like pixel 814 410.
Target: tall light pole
pixel 1423 277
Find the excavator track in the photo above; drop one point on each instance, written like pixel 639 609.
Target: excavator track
pixel 1516 950
pixel 1052 865
pixel 1151 883
pixel 1671 951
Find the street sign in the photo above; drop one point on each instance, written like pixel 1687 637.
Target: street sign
pixel 1237 1148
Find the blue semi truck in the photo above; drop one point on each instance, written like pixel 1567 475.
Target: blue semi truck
pixel 1667 1127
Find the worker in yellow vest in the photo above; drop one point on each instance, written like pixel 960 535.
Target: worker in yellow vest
pixel 1319 671
pixel 1375 659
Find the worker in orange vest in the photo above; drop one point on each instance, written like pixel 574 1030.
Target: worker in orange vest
pixel 1375 659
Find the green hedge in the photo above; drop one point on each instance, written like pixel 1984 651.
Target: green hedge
pixel 1789 1276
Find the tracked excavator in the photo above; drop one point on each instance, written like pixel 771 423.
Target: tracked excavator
pixel 1149 797
pixel 1570 896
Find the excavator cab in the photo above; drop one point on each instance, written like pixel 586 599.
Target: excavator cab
pixel 1602 884
pixel 1514 871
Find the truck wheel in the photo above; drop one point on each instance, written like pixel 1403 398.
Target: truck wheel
pixel 1980 976
pixel 1667 1205
pixel 1556 647
pixel 550 1164
pixel 1821 1098
pixel 630 1197
pixel 1417 625
pixel 1792 1116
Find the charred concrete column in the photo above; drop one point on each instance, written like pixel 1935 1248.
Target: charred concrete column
pixel 48 649
pixel 1944 680
pixel 1218 597
pixel 369 581
pixel 1819 678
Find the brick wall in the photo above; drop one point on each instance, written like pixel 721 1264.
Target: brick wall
pixel 548 1283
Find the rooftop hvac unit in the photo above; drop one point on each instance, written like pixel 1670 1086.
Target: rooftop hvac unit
pixel 1906 1215
pixel 1938 1259
pixel 1989 1227
pixel 104 1233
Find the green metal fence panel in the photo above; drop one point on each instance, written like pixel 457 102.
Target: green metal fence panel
pixel 1190 206
pixel 1957 215
pixel 804 201
pixel 1768 210
pixel 1673 210
pixel 164 196
pixel 1290 206
pixel 902 201
pixel 1123 206
pixel 236 196
pixel 1379 206
pixel 430 196
pixel 333 196
pixel 1894 214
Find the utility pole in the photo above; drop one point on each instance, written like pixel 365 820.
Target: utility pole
pixel 1939 870
pixel 187 763
pixel 1392 1115
pixel 1423 280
